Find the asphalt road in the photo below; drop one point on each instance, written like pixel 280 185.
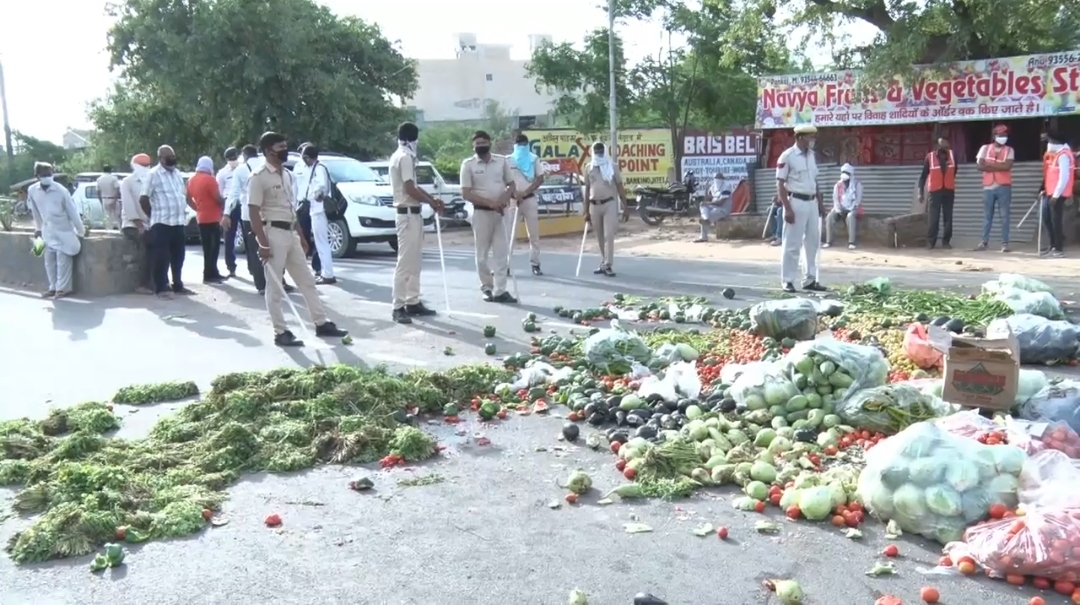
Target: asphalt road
pixel 485 534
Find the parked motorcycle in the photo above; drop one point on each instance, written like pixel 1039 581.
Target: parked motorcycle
pixel 454 211
pixel 677 199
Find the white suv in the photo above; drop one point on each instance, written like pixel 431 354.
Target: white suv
pixel 368 215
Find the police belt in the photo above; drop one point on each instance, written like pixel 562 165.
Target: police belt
pixel 801 196
pixel 286 225
pixel 601 201
pixel 408 209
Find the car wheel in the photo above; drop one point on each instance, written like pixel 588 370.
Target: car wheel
pixel 341 244
pixel 393 243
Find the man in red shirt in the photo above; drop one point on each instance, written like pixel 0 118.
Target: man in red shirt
pixel 209 208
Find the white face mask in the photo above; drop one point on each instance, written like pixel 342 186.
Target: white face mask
pixel 1054 147
pixel 233 163
pixel 1001 140
pixel 812 143
pixel 45 181
pixel 845 177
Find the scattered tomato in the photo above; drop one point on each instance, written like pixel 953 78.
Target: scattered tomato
pixel 1016 579
pixel 1041 583
pixel 571 498
pixel 891 551
pixel 838 521
pixel 929 594
pixel 615 445
pixel 830 450
pixel 620 464
pixel 997 511
pixel 945 562
pixel 967 568
pixel 273 520
pixel 207 514
pixel 774 498
pixel 759 506
pixel 793 512
pixel 1064 587
pixel 1037 601
pixel 121 533
pixel 629 472
pixel 722 532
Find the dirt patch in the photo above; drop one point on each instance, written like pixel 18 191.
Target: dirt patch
pixel 674 239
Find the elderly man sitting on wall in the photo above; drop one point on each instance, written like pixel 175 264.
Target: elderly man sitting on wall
pixel 716 207
pixel 847 205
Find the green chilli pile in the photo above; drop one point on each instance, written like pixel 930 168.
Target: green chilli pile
pixel 86 486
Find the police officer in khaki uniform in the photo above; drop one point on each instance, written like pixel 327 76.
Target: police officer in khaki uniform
pixel 528 177
pixel 487 182
pixel 603 194
pixel 408 199
pixel 281 243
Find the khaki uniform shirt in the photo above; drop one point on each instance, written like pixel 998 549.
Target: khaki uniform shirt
pixel 271 190
pixel 520 181
pixel 798 170
pixel 402 170
pixel 599 189
pixel 487 179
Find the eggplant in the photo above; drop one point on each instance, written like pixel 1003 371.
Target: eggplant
pixel 680 419
pixel 614 401
pixel 642 413
pixel 727 405
pixel 806 435
pixel 590 409
pixel 596 419
pixel 667 422
pixel 671 406
pixel 634 420
pixel 644 598
pixel 571 431
pixel 620 418
pixel 654 398
pixel 612 416
pixel 729 294
pixel 619 437
pixel 659 409
pixel 646 432
pixel 684 404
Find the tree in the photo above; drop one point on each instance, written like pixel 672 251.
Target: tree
pixel 202 75
pixel 931 32
pixel 446 145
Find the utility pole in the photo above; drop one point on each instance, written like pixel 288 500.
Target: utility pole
pixel 613 114
pixel 7 128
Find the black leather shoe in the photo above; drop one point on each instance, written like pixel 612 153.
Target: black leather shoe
pixel 287 339
pixel 789 288
pixel 419 310
pixel 598 271
pixel 325 281
pixel 536 269
pixel 401 316
pixel 815 287
pixel 289 289
pixel 329 329
pixel 487 295
pixel 505 298
pixel 608 272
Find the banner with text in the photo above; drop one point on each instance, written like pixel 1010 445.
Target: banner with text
pixel 644 155
pixel 990 89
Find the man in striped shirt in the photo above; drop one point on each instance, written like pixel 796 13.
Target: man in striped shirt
pixel 164 199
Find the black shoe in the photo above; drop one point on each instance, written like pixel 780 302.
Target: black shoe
pixel 930 245
pixel 287 339
pixel 214 280
pixel 536 269
pixel 325 281
pixel 789 288
pixel 232 274
pixel 598 271
pixel 329 329
pixel 608 272
pixel 505 298
pixel 487 295
pixel 401 316
pixel 946 246
pixel 815 287
pixel 181 290
pixel 289 289
pixel 419 310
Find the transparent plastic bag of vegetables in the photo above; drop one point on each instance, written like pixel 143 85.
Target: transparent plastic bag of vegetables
pixel 1035 437
pixel 1016 282
pixel 613 351
pixel 968 423
pixel 1041 340
pixel 1042 304
pixel 1039 544
pixel 762 386
pixel 1050 479
pixel 836 369
pixel 788 318
pixel 890 408
pixel 1056 403
pixel 935 484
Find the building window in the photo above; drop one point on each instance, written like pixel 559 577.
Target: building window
pixel 488 77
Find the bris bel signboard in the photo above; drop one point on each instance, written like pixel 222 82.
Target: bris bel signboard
pixel 729 154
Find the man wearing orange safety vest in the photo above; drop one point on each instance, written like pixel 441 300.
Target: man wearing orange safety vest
pixel 995 161
pixel 938 179
pixel 1059 177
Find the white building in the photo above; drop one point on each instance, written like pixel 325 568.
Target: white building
pixel 458 89
pixel 76 139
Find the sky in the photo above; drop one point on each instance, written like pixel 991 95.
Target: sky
pixel 50 83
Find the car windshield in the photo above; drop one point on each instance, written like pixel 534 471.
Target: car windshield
pixel 348 170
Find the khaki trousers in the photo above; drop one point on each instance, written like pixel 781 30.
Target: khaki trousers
pixel 605 222
pixel 527 210
pixel 489 230
pixel 410 237
pixel 286 254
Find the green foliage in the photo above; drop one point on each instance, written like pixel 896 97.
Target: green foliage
pixel 27 151
pixel 205 75
pixel 446 145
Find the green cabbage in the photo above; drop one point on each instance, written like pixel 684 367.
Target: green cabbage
pixel 926 471
pixel 878 498
pixel 1008 459
pixel 816 503
pixel 1002 489
pixel 909 503
pixel 920 440
pixel 943 500
pixel 961 475
pixel 975 504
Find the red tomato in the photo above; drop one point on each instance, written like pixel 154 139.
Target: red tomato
pixel 929 594
pixel 1064 587
pixel 944 562
pixel 793 512
pixel 722 532
pixel 997 511
pixel 629 473
pixel 759 506
pixel 891 551
pixel 620 464
pixel 615 445
pixel 571 498
pixel 1041 583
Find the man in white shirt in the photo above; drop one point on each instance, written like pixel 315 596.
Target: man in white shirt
pixel 312 189
pixel 716 206
pixel 165 200
pixel 57 221
pixel 1059 179
pixel 847 200
pixel 134 222
pixel 108 187
pixel 230 223
pixel 238 198
pixel 796 178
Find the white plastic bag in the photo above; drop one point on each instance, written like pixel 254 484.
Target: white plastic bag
pixel 687 381
pixel 664 387
pixel 1042 304
pixel 537 373
pixel 731 372
pixel 1041 340
pixel 1015 281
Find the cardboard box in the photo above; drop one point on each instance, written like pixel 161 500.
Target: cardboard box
pixel 982 372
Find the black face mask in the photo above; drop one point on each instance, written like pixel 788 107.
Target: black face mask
pixel 170 162
pixel 282 155
pixel 482 149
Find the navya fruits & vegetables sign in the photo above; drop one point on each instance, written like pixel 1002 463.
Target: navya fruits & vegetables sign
pixel 644 155
pixel 989 89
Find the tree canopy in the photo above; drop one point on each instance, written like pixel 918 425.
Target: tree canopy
pixel 203 75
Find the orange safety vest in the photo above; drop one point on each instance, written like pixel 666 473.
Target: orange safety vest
pixel 1052 172
pixel 1000 178
pixel 941 179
